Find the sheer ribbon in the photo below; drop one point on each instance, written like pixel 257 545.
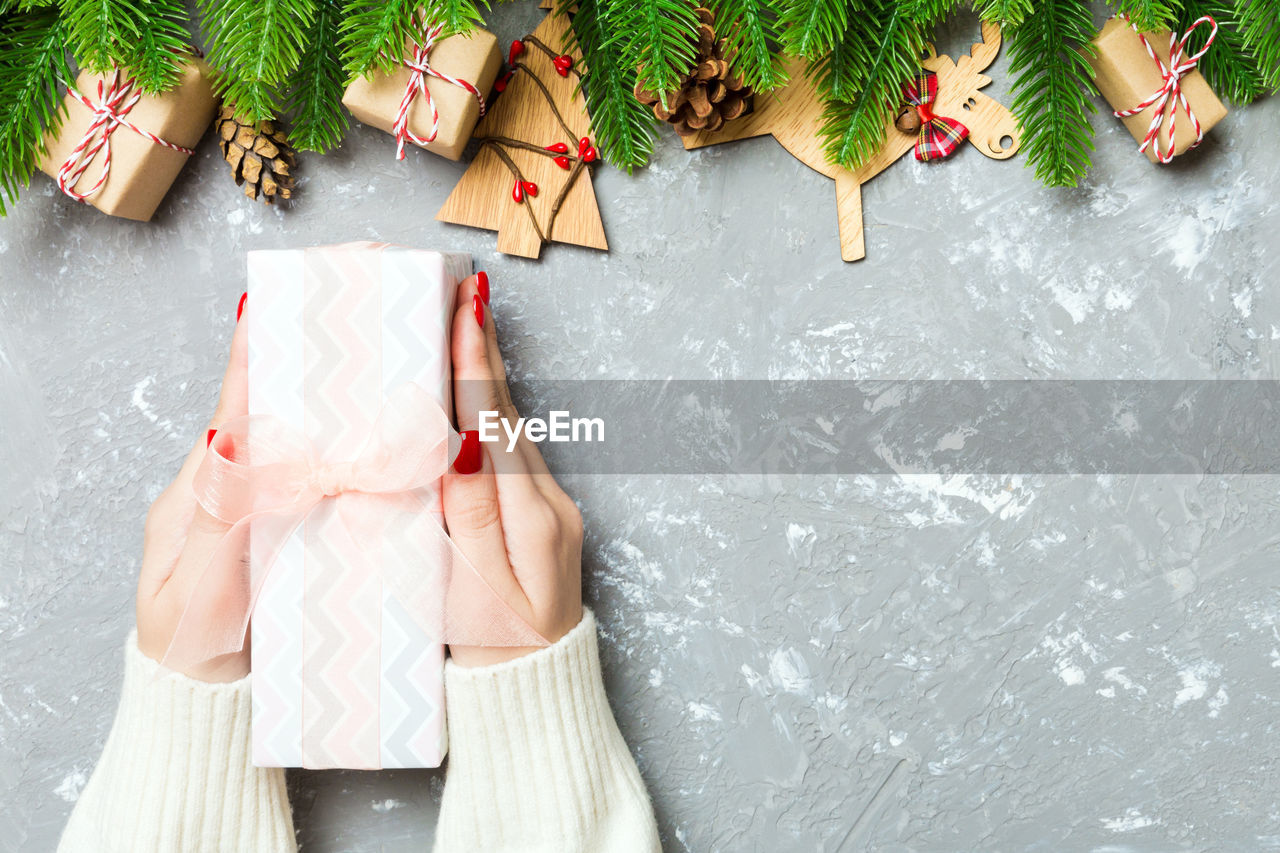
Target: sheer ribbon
pixel 261 475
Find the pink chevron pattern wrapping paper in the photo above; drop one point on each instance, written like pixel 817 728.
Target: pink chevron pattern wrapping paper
pixel 343 677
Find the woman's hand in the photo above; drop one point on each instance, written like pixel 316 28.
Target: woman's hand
pixel 504 509
pixel 180 538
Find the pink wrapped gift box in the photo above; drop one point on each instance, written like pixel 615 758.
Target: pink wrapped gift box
pixel 342 675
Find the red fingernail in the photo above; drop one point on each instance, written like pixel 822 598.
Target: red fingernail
pixel 478 307
pixel 469 459
pixel 240 307
pixel 482 285
pixel 208 439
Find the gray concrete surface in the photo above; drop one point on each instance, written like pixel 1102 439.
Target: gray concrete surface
pixel 889 663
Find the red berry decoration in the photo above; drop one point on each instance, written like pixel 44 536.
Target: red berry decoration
pixel 562 162
pixel 563 63
pixel 517 49
pixel 589 156
pixel 501 84
pixel 583 145
pixel 522 189
pixel 558 148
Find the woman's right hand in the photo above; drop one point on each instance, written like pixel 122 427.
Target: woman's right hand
pixel 504 510
pixel 181 538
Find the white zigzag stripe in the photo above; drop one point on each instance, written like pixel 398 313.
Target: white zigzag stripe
pixel 275 372
pixel 342 670
pixel 417 298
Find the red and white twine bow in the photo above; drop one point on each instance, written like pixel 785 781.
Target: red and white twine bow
pixel 420 70
pixel 1169 96
pixel 116 97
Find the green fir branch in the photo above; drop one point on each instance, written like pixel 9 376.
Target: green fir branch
pixel 147 37
pixel 1007 13
pixel 1259 22
pixel 33 63
pixel 659 37
pixel 1227 65
pixel 750 30
pixel 1052 81
pixel 163 43
pixel 881 50
pixel 315 88
pixel 838 74
pixel 457 16
pixel 255 45
pixel 929 13
pixel 623 127
pixel 1147 15
pixel 374 34
pixel 811 28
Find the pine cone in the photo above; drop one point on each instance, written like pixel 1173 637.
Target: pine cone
pixel 707 96
pixel 260 156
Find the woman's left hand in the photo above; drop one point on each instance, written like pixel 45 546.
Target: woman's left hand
pixel 505 511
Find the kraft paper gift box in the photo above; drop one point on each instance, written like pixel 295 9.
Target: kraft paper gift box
pixel 142 170
pixel 1126 76
pixel 342 675
pixel 474 57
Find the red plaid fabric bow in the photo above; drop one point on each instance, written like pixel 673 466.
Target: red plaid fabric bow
pixel 939 136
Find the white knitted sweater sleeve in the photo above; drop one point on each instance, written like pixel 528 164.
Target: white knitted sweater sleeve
pixel 177 773
pixel 536 761
pixel 536 765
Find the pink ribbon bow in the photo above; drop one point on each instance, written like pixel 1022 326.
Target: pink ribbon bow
pixel 115 99
pixel 420 70
pixel 261 475
pixel 1169 96
pixel 939 136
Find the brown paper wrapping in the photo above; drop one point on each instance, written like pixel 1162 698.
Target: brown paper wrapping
pixel 1126 76
pixel 141 171
pixel 474 57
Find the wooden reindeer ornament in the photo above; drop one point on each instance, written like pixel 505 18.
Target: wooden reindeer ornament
pixel 793 115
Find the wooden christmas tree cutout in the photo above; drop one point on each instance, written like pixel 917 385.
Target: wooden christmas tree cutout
pixel 530 179
pixel 793 115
